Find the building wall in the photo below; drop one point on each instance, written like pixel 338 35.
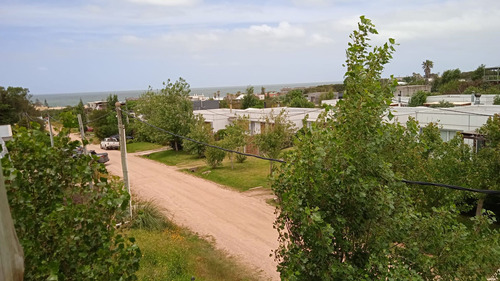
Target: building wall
pixel 410 90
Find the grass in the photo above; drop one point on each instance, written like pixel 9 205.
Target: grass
pixel 141 146
pixel 170 252
pixel 251 173
pixel 176 158
pixel 177 254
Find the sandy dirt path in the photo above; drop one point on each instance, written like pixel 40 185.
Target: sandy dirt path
pixel 241 224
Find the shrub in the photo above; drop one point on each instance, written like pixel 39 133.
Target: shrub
pixel 496 100
pixel 214 156
pixel 64 210
pixel 418 99
pixel 148 216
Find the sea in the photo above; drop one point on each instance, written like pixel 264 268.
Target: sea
pixel 72 99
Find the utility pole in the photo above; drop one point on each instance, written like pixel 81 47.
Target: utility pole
pixel 82 133
pixel 50 131
pixel 123 150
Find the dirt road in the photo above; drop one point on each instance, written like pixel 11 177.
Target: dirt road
pixel 240 224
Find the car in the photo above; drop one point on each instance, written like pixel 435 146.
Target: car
pixel 110 143
pixel 103 157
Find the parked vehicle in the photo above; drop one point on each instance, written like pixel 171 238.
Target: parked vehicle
pixel 110 143
pixel 103 157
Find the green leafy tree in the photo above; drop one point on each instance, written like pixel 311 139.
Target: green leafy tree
pixel 169 109
pixel 236 138
pixel 478 74
pixel 296 98
pixel 250 100
pixel 276 135
pixel 16 107
pixel 418 99
pixel 214 156
pixel 343 212
pixel 496 100
pixel 65 211
pixel 68 119
pixel 199 131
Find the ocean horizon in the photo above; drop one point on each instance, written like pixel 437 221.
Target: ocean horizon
pixel 72 99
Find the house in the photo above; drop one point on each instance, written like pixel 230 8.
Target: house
pixel 5 135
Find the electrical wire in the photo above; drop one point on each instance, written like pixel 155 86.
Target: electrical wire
pixel 455 187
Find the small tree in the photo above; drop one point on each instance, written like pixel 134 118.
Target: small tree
pixel 199 131
pixel 418 99
pixel 236 138
pixel 214 156
pixel 276 135
pixel 250 100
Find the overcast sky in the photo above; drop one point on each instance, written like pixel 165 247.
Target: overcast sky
pixel 60 46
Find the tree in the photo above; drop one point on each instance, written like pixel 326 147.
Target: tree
pixel 344 213
pixel 236 138
pixel 16 107
pixel 296 98
pixel 427 65
pixel 496 99
pixel 65 210
pixel 478 74
pixel 418 99
pixel 276 135
pixel 201 132
pixel 214 156
pixel 169 109
pixel 104 122
pixel 250 100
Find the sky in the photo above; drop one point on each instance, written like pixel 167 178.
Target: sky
pixel 60 46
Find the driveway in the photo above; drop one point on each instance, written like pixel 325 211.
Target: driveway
pixel 240 224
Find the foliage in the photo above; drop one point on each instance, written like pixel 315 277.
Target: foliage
pixel 443 103
pixel 250 100
pixel 104 122
pixel 68 119
pixel 236 138
pixel 326 96
pixel 418 99
pixel 169 109
pixel 496 100
pixel 478 74
pixel 64 210
pixel 214 156
pixel 200 131
pixel 276 135
pixel 15 107
pixel 296 98
pixel 427 65
pixel 148 216
pixel 344 213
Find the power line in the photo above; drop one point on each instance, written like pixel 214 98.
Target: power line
pixel 455 187
pixel 203 143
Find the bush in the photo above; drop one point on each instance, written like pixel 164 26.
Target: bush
pixel 214 156
pixel 64 210
pixel 496 100
pixel 148 216
pixel 418 99
pixel 443 104
pixel 240 158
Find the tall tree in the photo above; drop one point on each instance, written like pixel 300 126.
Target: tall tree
pixel 427 65
pixel 16 107
pixel 169 109
pixel 249 100
pixel 201 132
pixel 236 137
pixel 343 212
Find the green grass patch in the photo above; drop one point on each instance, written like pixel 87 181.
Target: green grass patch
pixel 141 146
pixel 176 158
pixel 177 254
pixel 249 174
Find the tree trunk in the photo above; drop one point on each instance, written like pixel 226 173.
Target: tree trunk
pixel 479 207
pixel 231 157
pixel 270 168
pixel 176 147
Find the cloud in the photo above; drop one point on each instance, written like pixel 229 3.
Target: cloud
pixel 283 30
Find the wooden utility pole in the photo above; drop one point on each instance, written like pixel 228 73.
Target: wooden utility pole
pixel 123 151
pixel 50 131
pixel 82 133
